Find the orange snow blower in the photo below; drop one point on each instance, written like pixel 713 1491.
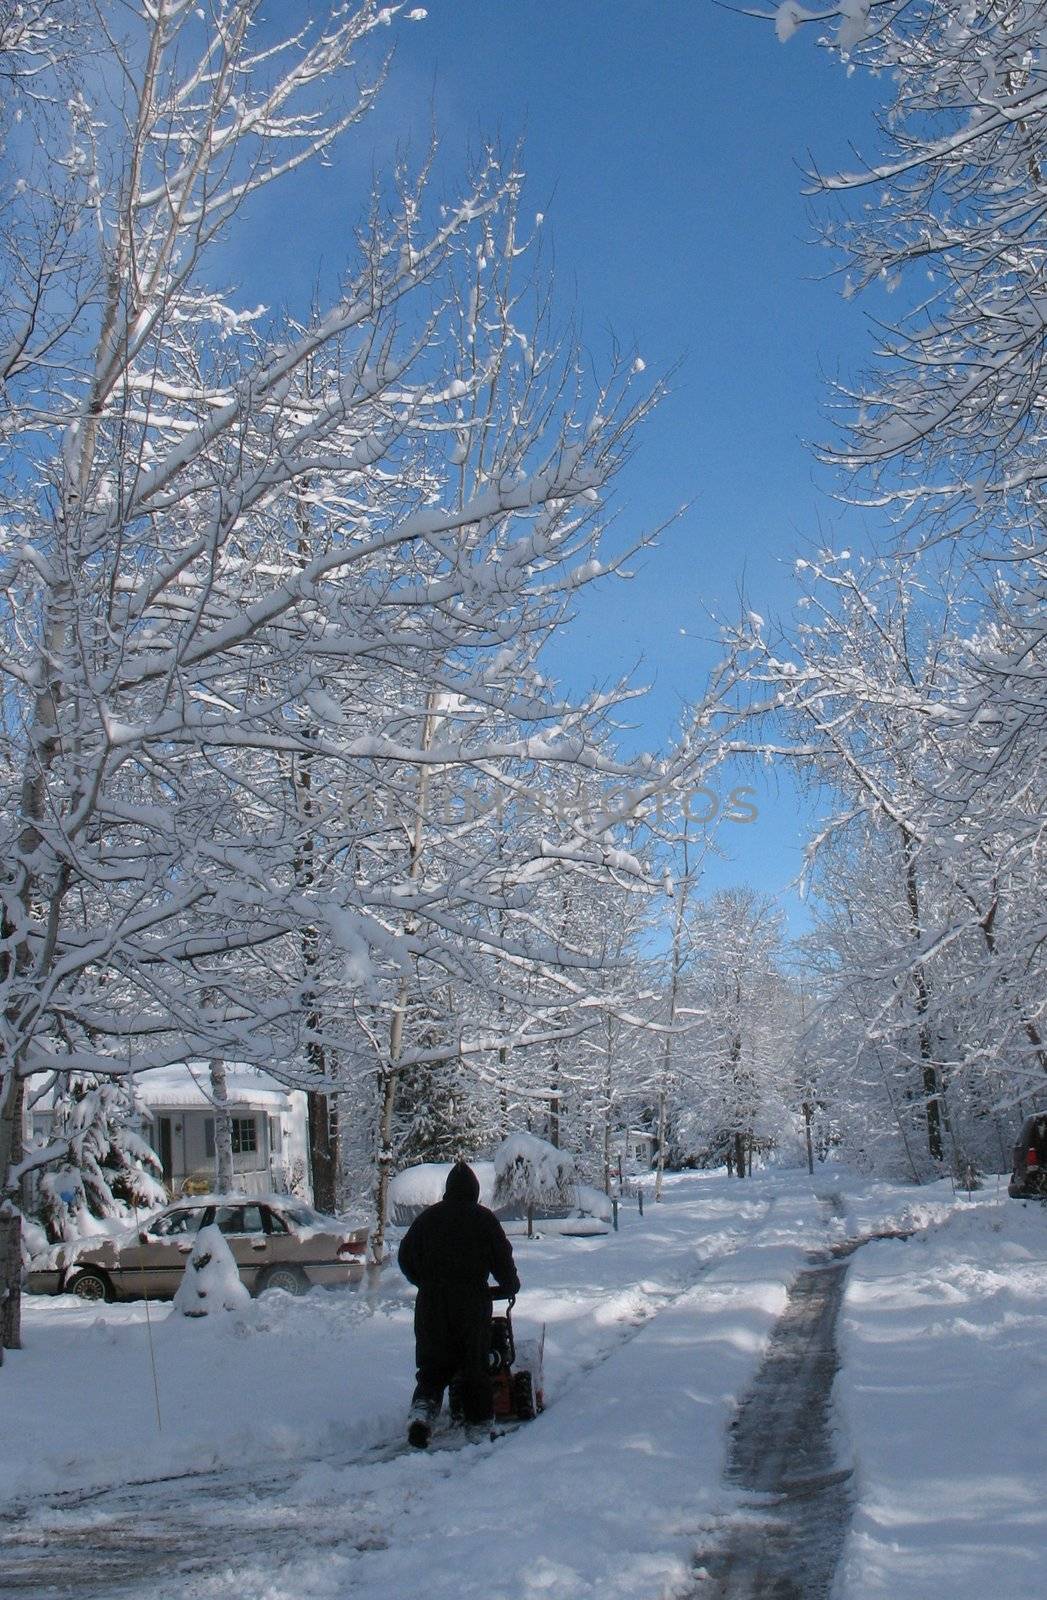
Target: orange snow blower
pixel 516 1371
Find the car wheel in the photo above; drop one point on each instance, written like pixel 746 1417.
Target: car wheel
pixel 92 1286
pixel 289 1279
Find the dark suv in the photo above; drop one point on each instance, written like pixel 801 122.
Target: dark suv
pixel 1029 1169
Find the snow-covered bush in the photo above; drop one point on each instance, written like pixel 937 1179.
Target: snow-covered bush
pixel 211 1281
pixel 531 1173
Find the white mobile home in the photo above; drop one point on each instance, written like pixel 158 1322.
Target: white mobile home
pixel 268 1125
pixel 270 1151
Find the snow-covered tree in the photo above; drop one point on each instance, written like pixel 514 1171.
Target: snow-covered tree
pixel 105 1170
pixel 211 514
pixel 275 581
pixel 925 866
pixel 532 1174
pixel 733 1096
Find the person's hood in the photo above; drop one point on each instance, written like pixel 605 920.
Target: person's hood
pixel 462 1184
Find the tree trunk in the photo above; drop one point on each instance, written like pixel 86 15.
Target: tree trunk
pixel 739 1154
pixel 11 1151
pixel 553 1122
pixel 807 1115
pixel 391 1073
pixel 323 1151
pixel 384 1159
pixel 12 1131
pixel 663 1120
pixel 607 1122
pixel 10 1278
pixel 928 1069
pixel 223 1129
pixel 674 990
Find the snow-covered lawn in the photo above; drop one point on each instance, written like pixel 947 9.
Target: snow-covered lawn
pixel 652 1336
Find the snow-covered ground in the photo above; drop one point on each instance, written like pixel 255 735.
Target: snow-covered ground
pixel 653 1334
pixel 943 1391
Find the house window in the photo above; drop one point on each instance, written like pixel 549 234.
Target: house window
pixel 275 1143
pixel 245 1135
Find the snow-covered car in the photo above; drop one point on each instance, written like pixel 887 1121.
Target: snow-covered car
pixel 1029 1165
pixel 278 1242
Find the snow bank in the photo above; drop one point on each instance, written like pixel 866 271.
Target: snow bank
pixel 944 1345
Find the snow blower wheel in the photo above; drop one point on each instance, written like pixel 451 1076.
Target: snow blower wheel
pixel 523 1396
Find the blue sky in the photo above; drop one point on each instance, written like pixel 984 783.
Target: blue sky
pixel 665 144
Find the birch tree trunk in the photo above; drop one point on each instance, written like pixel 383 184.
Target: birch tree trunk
pixel 223 1129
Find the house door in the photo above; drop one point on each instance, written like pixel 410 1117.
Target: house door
pixel 163 1149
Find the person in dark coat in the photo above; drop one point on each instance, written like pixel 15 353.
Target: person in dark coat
pixel 449 1253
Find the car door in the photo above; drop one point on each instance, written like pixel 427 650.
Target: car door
pixel 246 1236
pixel 283 1246
pixel 153 1261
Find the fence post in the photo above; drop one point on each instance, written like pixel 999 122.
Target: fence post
pixel 639 1196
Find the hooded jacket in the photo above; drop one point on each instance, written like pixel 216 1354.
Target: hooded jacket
pixel 458 1244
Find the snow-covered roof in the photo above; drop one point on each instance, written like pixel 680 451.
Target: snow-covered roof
pixel 187 1087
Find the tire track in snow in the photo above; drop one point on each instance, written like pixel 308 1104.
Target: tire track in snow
pixel 787 1542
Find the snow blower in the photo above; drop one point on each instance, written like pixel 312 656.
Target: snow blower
pixel 516 1371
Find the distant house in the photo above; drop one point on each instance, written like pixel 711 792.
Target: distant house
pixel 270 1147
pixel 639 1147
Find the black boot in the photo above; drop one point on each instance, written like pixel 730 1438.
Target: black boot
pixel 419 1433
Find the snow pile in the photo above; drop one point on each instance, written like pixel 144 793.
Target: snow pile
pixel 592 1202
pixel 211 1281
pixel 530 1172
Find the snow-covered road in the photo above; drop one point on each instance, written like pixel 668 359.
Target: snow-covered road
pixel 654 1335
